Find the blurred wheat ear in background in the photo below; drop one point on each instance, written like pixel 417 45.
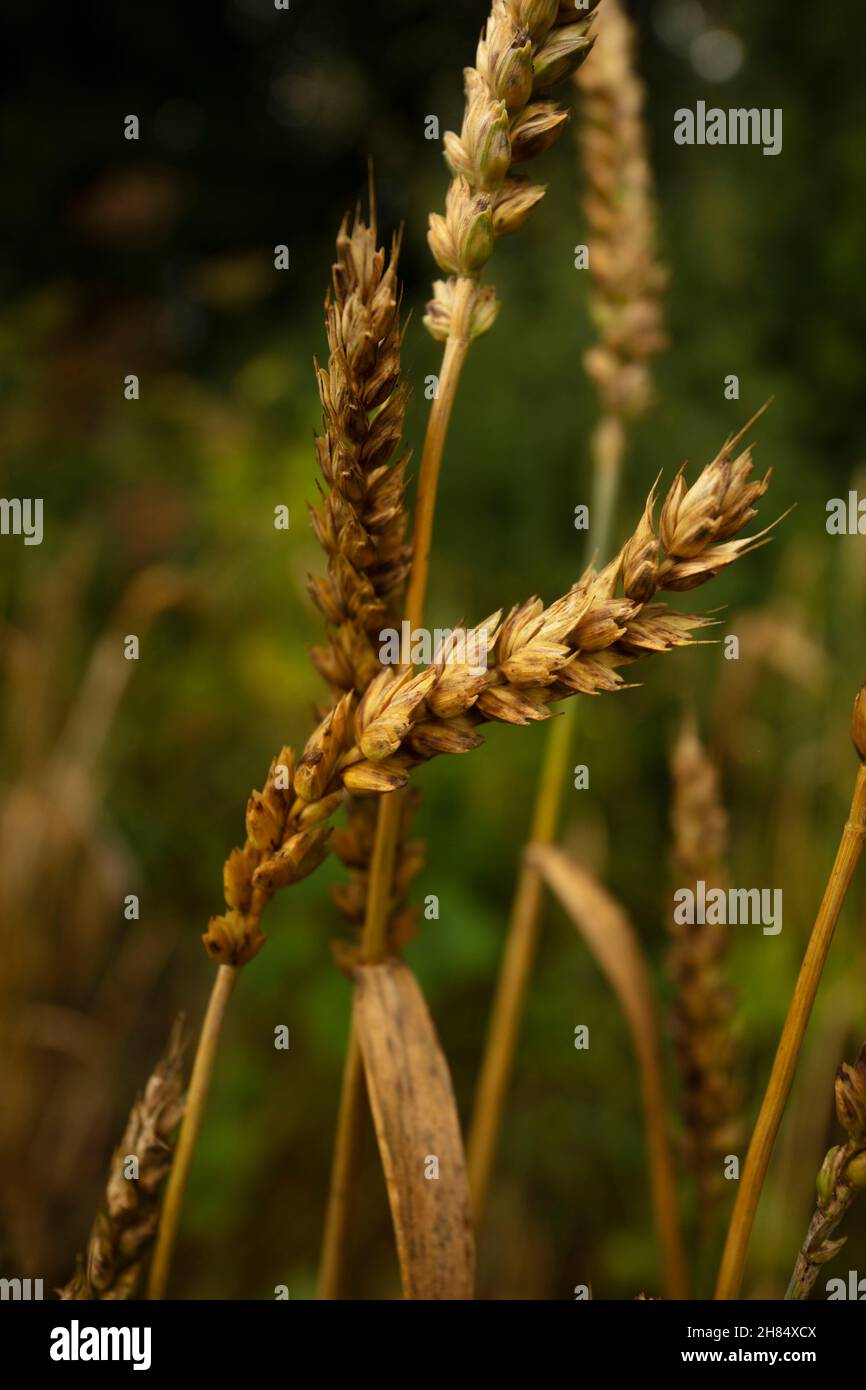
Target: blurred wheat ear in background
pixel 704 1003
pixel 123 1231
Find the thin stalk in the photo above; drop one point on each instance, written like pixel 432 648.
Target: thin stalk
pixel 821 1228
pixel 202 1070
pixel 388 821
pixel 350 1129
pixel 373 941
pixel 453 358
pixel 662 1173
pixel 790 1043
pixel 607 448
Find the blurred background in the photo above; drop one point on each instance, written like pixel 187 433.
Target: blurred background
pixel 155 257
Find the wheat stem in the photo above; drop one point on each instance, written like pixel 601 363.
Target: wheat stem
pixel 821 1228
pixel 202 1070
pixel 388 822
pixel 374 939
pixel 790 1043
pixel 608 444
pixel 628 283
pixel 662 1175
pixel 344 1165
pixel 519 954
pixel 501 125
pixel 453 359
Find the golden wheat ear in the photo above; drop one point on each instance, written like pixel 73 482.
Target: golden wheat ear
pixel 526 48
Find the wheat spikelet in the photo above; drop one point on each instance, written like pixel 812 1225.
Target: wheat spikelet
pixel 842 1177
pixel 124 1228
pixel 704 1004
pixel 628 281
pixel 539 655
pixel 526 47
pixel 361 525
pixel 361 520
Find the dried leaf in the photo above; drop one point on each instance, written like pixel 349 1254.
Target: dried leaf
pixel 416 1120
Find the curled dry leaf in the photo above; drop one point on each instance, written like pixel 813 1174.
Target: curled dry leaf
pixel 416 1120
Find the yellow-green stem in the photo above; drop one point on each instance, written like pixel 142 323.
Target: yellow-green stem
pixel 785 1063
pixel 199 1085
pixel 388 822
pixel 607 448
pixel 344 1164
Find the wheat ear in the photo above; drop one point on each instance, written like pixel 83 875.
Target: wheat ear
pixel 704 1003
pixel 525 49
pixel 124 1228
pixel 537 656
pixel 625 301
pixel 542 655
pixel 360 524
pixel 797 1021
pixel 841 1179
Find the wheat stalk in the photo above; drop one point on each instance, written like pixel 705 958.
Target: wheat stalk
pixel 797 1020
pixel 526 47
pixel 360 524
pixel 616 947
pixel 124 1228
pixel 842 1177
pixel 542 655
pixel 704 1003
pixel 626 306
